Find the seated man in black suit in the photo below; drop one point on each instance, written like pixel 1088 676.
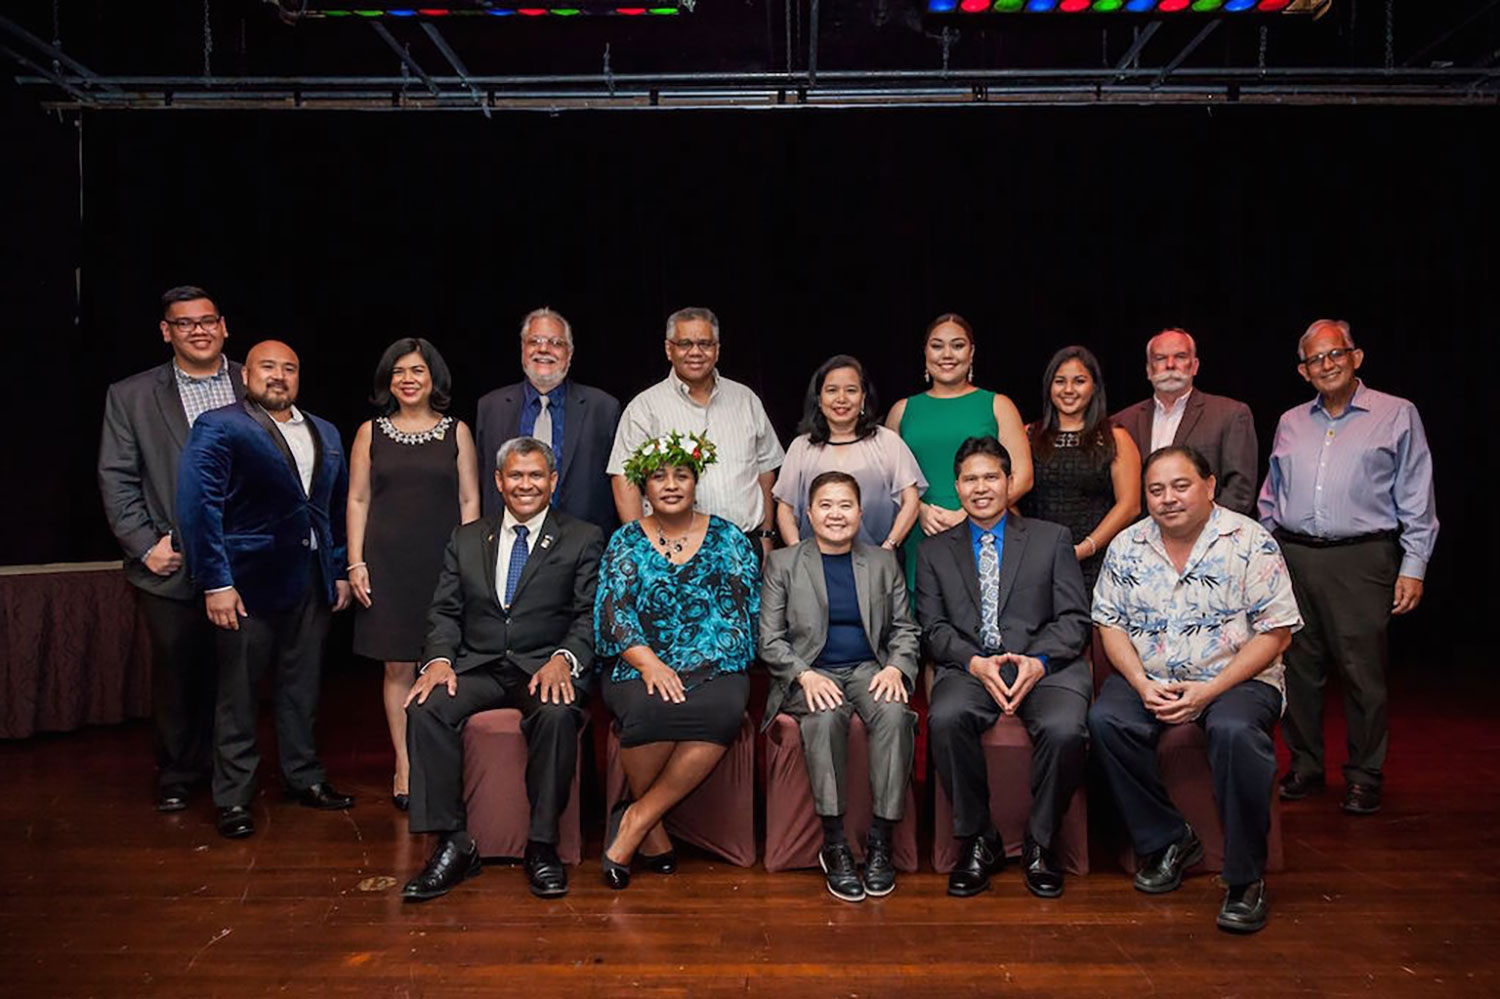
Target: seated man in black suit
pixel 1005 617
pixel 511 625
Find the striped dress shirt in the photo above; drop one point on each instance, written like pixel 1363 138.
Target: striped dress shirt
pixel 1365 471
pixel 734 420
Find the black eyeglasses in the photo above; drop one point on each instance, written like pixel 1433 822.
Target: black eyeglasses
pixel 687 346
pixel 1334 356
pixel 186 325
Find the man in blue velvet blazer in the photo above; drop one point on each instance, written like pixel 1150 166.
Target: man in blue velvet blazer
pixel 261 489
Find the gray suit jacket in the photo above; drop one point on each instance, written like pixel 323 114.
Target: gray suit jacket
pixel 794 614
pixel 1044 610
pixel 143 436
pixel 1222 430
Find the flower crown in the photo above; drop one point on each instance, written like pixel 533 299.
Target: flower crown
pixel 693 451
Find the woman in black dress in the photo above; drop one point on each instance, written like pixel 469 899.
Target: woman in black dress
pixel 413 478
pixel 1088 471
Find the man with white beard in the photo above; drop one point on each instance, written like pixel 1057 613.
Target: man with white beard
pixel 576 421
pixel 1219 428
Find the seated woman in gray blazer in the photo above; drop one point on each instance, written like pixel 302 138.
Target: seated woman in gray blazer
pixel 837 635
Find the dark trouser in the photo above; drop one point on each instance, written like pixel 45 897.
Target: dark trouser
pixel 293 641
pixel 434 740
pixel 1241 755
pixel 1345 596
pixel 890 725
pixel 962 710
pixel 182 686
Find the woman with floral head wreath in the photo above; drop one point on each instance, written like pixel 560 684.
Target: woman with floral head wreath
pixel 675 631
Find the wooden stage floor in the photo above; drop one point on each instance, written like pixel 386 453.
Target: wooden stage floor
pixel 103 897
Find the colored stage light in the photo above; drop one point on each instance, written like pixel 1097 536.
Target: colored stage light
pixel 370 13
pixel 1235 6
pixel 1139 6
pixel 565 11
pixel 1108 6
pixel 1271 6
pixel 434 11
pixel 1203 6
pixel 403 12
pixel 974 6
pixel 664 11
pixel 630 11
pixel 1073 6
pixel 1172 6
pixel 1040 6
pixel 941 6
pixel 500 12
pixel 1009 6
pixel 532 11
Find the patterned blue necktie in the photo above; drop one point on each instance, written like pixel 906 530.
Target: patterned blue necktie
pixel 989 593
pixel 517 563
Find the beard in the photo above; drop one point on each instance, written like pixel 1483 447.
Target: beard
pixel 282 399
pixel 1170 382
pixel 545 382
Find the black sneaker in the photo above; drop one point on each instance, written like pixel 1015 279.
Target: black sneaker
pixel 840 873
pixel 880 870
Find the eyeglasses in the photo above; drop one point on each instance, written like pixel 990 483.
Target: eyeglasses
pixel 186 325
pixel 688 346
pixel 538 342
pixel 1334 356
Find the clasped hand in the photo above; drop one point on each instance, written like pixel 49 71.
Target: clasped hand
pixel 986 669
pixel 1175 702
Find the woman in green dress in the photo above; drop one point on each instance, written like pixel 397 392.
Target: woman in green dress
pixel 934 423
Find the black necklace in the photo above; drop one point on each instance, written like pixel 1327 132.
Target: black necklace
pixel 670 546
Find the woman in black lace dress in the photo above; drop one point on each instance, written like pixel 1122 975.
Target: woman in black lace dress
pixel 1087 470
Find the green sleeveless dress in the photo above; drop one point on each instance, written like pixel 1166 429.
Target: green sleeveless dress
pixel 933 429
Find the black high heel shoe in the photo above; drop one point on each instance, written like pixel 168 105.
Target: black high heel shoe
pixel 659 863
pixel 616 876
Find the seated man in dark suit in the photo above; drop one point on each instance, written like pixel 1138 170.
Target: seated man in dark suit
pixel 837 636
pixel 577 421
pixel 260 502
pixel 1219 428
pixel 511 625
pixel 1005 618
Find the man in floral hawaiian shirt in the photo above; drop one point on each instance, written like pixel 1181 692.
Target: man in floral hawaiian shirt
pixel 1195 608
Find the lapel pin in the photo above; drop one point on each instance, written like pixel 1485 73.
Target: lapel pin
pixel 546 541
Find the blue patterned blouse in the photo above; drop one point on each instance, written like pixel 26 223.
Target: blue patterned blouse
pixel 699 617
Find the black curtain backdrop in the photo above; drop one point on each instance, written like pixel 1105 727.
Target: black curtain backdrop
pixel 809 234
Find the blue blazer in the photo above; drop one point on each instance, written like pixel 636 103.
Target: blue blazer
pixel 243 517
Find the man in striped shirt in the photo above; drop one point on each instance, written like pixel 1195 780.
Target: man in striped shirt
pixel 694 398
pixel 1349 496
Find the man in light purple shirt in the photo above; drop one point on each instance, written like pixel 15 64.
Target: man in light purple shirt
pixel 1349 496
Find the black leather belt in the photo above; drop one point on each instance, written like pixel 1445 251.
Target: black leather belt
pixel 1312 541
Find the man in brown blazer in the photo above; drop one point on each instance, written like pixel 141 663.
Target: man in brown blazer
pixel 1219 428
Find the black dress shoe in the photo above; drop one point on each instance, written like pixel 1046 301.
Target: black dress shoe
pixel 658 863
pixel 320 795
pixel 446 869
pixel 616 876
pixel 1245 908
pixel 235 822
pixel 1162 871
pixel 545 871
pixel 1044 878
pixel 840 874
pixel 971 875
pixel 880 869
pixel 1361 799
pixel 172 797
pixel 1295 786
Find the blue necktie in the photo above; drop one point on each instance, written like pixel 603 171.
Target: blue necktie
pixel 989 592
pixel 517 563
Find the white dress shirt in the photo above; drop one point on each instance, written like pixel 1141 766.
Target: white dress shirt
pixel 507 544
pixel 1166 420
pixel 297 433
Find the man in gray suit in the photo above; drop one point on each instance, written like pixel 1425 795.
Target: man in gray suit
pixel 1005 618
pixel 1219 428
pixel 146 421
pixel 837 635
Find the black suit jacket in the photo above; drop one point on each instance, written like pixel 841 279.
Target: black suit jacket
pixel 144 433
pixel 1219 428
pixel 1043 607
pixel 553 606
pixel 582 487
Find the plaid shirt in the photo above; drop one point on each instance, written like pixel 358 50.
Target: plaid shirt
pixel 199 395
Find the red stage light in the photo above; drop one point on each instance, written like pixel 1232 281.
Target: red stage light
pixel 1172 6
pixel 1271 6
pixel 630 11
pixel 433 11
pixel 974 6
pixel 531 11
pixel 1074 6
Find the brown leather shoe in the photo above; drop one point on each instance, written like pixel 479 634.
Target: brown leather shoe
pixel 1361 799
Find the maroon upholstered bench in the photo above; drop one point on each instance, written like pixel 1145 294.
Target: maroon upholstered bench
pixel 1182 754
pixel 495 789
pixel 794 834
pixel 1007 757
pixel 719 816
